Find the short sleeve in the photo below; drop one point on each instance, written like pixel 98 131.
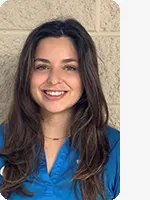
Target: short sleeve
pixel 113 165
pixel 2 161
pixel 117 176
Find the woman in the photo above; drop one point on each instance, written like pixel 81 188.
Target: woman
pixel 56 143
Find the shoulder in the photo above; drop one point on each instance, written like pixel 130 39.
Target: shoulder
pixel 2 160
pixel 113 165
pixel 1 136
pixel 114 141
pixel 113 136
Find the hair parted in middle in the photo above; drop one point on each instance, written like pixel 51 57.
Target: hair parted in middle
pixel 87 128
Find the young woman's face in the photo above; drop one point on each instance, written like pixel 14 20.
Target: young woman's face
pixel 56 85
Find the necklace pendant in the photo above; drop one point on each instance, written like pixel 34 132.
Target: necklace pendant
pixel 55 138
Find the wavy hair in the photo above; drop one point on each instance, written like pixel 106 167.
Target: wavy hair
pixel 24 134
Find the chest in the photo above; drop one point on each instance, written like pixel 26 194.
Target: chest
pixel 52 149
pixel 53 185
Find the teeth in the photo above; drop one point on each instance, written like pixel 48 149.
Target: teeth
pixel 54 93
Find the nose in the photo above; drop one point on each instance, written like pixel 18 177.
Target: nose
pixel 54 77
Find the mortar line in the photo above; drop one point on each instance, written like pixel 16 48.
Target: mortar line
pixel 25 32
pixel 104 33
pixel 14 32
pixel 113 105
pixel 98 3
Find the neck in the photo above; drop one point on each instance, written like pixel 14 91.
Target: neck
pixel 56 125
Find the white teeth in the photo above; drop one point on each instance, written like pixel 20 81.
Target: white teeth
pixel 54 93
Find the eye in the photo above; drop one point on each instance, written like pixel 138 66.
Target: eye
pixel 41 67
pixel 70 68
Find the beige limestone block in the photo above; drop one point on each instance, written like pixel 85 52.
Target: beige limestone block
pixel 10 47
pixel 108 50
pixel 26 14
pixel 109 16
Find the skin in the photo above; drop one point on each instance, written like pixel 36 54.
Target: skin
pixel 56 68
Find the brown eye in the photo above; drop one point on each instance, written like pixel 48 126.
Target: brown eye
pixel 41 67
pixel 69 68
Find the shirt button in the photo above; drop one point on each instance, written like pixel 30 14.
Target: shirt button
pixel 54 179
pixel 49 189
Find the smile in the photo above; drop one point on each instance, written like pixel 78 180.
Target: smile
pixel 54 95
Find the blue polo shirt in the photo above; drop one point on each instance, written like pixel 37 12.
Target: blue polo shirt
pixel 52 186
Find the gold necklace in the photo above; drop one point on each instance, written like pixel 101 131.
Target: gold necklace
pixel 57 138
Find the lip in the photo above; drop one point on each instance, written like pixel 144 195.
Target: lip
pixel 55 90
pixel 53 98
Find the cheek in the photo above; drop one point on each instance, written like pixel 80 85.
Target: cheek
pixel 79 83
pixel 37 80
pixel 76 82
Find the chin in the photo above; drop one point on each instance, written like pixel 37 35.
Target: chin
pixel 57 110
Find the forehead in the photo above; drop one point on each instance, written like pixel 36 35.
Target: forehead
pixel 51 46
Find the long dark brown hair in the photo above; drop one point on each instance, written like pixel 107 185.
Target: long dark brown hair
pixel 23 131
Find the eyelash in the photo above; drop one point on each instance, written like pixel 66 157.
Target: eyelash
pixel 44 67
pixel 72 67
pixel 39 67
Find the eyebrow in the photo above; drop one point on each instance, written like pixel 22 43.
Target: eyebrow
pixel 63 61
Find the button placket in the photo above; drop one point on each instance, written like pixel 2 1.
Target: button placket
pixel 49 189
pixel 61 158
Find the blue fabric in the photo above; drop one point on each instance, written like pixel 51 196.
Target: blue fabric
pixel 51 187
pixel 2 160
